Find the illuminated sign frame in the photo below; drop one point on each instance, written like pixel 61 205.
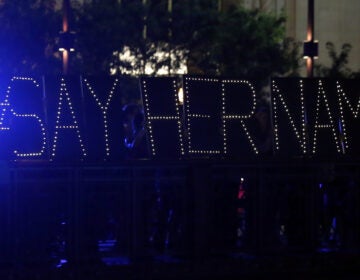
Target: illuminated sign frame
pixel 303 112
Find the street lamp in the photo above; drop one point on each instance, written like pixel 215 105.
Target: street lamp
pixel 310 45
pixel 66 43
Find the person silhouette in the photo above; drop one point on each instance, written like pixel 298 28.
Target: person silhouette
pixel 133 124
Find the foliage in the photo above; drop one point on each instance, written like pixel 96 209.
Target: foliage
pixel 245 43
pixel 235 42
pixel 103 29
pixel 143 31
pixel 28 37
pixel 338 68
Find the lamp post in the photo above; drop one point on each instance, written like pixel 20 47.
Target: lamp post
pixel 66 37
pixel 310 45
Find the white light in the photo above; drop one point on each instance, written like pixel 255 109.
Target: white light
pixel 300 132
pixel 43 134
pixel 343 101
pixel 130 56
pixel 330 125
pixel 149 118
pixel 104 109
pixel 190 115
pixel 181 96
pixel 65 95
pixel 7 107
pixel 226 117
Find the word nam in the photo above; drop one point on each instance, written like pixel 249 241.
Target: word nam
pixel 219 118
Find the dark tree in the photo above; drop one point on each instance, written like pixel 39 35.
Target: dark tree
pixel 244 43
pixel 234 42
pixel 29 33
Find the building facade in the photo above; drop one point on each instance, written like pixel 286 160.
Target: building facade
pixel 335 21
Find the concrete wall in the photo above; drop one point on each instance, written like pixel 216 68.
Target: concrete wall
pixel 335 21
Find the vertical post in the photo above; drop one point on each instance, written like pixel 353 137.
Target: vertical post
pixel 310 38
pixel 144 35
pixel 145 24
pixel 170 8
pixel 65 29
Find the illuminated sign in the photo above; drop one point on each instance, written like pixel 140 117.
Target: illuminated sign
pixel 348 116
pixel 311 117
pixel 228 118
pixel 163 120
pixel 22 119
pixel 80 118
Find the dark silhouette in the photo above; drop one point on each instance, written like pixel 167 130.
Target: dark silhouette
pixel 134 132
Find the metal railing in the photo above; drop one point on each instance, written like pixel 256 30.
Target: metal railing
pixel 128 212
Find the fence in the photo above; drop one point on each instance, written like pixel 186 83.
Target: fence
pixel 136 210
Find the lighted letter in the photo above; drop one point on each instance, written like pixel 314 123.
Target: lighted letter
pixel 104 109
pixel 241 117
pixel 343 101
pixel 162 116
pixel 7 108
pixel 330 125
pixel 64 99
pixel 5 105
pixel 202 115
pixel 300 130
